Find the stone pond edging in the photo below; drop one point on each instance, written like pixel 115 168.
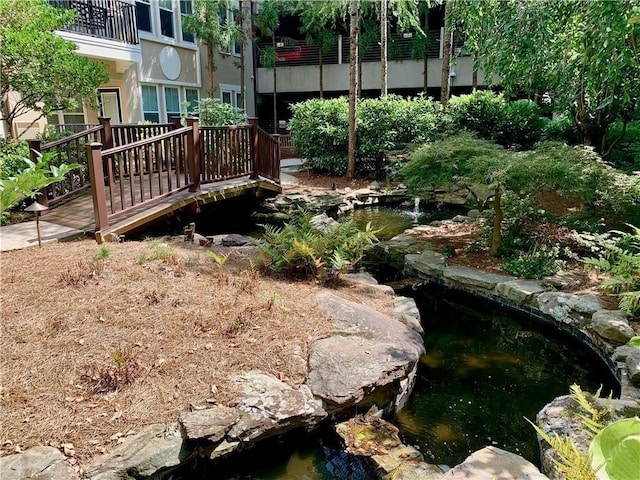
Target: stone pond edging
pixel 369 359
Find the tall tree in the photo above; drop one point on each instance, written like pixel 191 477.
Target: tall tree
pixel 445 77
pixel 39 70
pixel 209 22
pixel 354 32
pixel 584 54
pixel 384 29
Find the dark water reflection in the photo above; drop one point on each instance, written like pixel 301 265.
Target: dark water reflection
pixel 485 370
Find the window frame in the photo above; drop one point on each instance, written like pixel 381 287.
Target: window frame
pixel 144 111
pixel 167 113
pixel 182 15
pixel 150 11
pixel 161 9
pixel 186 99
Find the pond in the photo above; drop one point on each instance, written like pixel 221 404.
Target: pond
pixel 487 369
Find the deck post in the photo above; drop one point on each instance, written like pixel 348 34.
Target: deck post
pixel 106 135
pixel 274 167
pixel 34 150
pixel 176 122
pixel 253 122
pixel 193 153
pixel 98 192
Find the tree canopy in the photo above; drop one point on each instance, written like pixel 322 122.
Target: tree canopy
pixel 40 65
pixel 583 53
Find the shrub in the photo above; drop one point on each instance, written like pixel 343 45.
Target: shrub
pixel 12 155
pixel 211 111
pixel 539 262
pixel 480 112
pixel 625 155
pixel 299 249
pixel 561 129
pixel 521 124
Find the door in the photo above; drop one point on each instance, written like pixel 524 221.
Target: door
pixel 110 105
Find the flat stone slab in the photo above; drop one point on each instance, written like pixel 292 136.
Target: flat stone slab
pixel 428 263
pixel 568 308
pixel 211 423
pixel 37 463
pixel 612 325
pixel 521 292
pixel 494 463
pixel 24 235
pixel 153 449
pixel 475 278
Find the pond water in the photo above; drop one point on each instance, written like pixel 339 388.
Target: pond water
pixel 487 369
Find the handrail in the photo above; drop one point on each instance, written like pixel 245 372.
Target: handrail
pixel 145 141
pixel 70 138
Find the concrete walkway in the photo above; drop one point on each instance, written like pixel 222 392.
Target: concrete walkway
pixel 24 235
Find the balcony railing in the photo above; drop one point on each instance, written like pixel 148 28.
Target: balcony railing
pixel 110 19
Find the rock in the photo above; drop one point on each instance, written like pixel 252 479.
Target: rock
pixel 233 240
pixel 368 356
pixel 633 366
pixel 474 213
pixel 406 310
pixel 622 352
pixel 362 277
pixel 416 471
pixel 429 263
pixel 37 463
pixel 520 292
pixel 568 308
pixel 375 186
pixel 462 219
pixel 153 449
pixel 269 407
pixel 470 277
pixel 210 424
pixel 323 222
pixel 612 325
pixel 494 463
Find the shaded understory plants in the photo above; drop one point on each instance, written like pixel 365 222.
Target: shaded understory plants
pixel 299 249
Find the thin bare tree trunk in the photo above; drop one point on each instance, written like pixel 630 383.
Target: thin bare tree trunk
pixel 275 88
pixel 212 66
pixel 353 86
pixel 474 75
pixel 320 62
pixel 242 65
pixel 383 48
pixel 496 237
pixel 425 72
pixel 446 58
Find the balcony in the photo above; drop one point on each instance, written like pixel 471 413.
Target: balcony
pixel 112 20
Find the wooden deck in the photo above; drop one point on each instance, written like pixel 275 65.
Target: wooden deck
pixel 78 212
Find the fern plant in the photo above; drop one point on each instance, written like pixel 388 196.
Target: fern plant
pixel 299 249
pixel 619 257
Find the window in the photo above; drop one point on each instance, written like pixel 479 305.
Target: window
pixel 230 94
pixel 73 116
pixel 171 102
pixel 143 15
pixel 239 101
pixel 228 16
pixel 150 108
pixel 192 99
pixel 186 8
pixel 226 98
pixel 166 17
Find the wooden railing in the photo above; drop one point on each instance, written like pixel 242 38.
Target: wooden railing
pixel 287 149
pixel 267 156
pixel 125 134
pixel 135 175
pixel 67 150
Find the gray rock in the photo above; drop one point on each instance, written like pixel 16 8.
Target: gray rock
pixel 406 310
pixel 416 471
pixel 568 308
pixel 494 463
pixel 633 366
pixel 211 424
pixel 323 222
pixel 153 449
pixel 375 186
pixel 429 263
pixel 474 213
pixel 369 354
pixel 362 277
pixel 37 463
pixel 520 292
pixel 462 219
pixel 269 407
pixel 470 277
pixel 612 325
pixel 622 352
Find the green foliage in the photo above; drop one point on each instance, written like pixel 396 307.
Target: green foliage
pixel 625 154
pixel 40 65
pixel 156 251
pixel 299 249
pixel 619 256
pixel 561 129
pixel 481 113
pixel 635 342
pixel 616 449
pixel 12 155
pixel 521 124
pixel 103 253
pixel 212 111
pixel 29 181
pixel 538 262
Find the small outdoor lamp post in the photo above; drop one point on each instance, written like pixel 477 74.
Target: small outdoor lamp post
pixel 37 208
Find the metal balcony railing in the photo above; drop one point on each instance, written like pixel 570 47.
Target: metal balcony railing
pixel 109 19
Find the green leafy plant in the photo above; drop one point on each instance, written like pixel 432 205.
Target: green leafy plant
pixel 102 253
pixel 616 449
pixel 211 111
pixel 299 249
pixel 156 251
pixel 538 262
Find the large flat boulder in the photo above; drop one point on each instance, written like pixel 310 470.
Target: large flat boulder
pixel 520 292
pixel 429 263
pixel 612 325
pixel 492 463
pixel 37 463
pixel 209 424
pixel 473 278
pixel 574 310
pixel 369 354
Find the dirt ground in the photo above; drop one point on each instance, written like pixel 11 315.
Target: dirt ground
pixel 96 343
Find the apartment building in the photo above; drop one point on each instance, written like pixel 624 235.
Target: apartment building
pixel 154 65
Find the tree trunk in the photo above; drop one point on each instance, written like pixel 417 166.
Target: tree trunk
pixel 446 58
pixel 242 65
pixel 383 48
pixel 320 62
pixel 474 75
pixel 275 88
pixel 496 237
pixel 212 67
pixel 353 86
pixel 425 71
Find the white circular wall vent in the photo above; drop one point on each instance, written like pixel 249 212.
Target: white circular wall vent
pixel 170 63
